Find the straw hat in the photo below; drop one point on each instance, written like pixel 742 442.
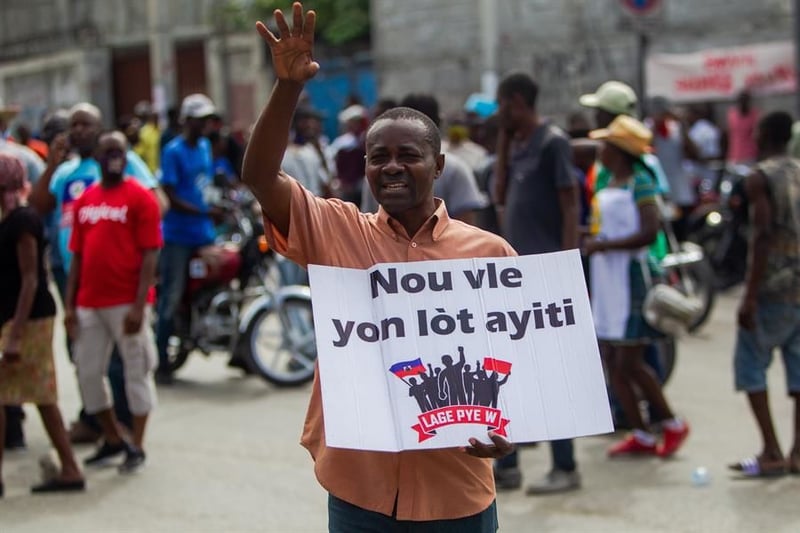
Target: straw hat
pixel 626 133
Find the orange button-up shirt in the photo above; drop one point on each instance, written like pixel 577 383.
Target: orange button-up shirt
pixel 425 484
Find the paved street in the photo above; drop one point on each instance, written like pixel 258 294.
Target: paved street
pixel 224 456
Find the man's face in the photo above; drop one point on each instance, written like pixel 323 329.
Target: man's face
pixel 111 151
pixel 401 165
pixel 83 131
pixel 309 127
pixel 198 126
pixel 744 101
pixel 510 109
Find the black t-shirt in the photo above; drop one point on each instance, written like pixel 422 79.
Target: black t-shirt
pixel 536 172
pixel 20 221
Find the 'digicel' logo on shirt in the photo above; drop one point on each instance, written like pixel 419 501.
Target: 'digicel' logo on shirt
pixel 95 213
pixel 455 393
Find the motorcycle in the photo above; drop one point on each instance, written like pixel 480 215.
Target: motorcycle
pixel 720 226
pixel 687 268
pixel 231 303
pixel 277 336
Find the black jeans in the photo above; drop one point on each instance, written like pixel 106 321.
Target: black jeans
pixel 344 517
pixel 562 451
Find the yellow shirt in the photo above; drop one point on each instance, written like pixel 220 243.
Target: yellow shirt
pixel 149 146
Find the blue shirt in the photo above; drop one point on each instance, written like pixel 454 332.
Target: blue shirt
pixel 222 165
pixel 189 171
pixel 69 181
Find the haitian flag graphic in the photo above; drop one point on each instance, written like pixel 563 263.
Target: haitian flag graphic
pixel 403 369
pixel 455 393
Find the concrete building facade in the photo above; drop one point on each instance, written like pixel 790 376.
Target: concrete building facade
pixel 114 53
pixel 54 53
pixel 569 46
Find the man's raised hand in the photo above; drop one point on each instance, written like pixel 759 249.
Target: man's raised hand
pixel 292 53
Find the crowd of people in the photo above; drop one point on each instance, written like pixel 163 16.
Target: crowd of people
pixel 106 214
pixel 103 215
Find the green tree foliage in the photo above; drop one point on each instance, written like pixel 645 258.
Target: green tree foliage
pixel 338 21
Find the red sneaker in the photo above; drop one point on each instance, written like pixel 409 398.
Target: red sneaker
pixel 631 446
pixel 672 441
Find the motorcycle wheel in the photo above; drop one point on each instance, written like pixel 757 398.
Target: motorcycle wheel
pixel 728 271
pixel 177 353
pixel 279 345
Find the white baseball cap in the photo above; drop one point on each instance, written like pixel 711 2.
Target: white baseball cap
pixel 353 112
pixel 197 106
pixel 613 96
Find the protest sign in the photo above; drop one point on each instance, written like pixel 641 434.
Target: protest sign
pixel 721 73
pixel 427 354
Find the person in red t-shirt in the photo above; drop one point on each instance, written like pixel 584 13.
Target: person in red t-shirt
pixel 115 239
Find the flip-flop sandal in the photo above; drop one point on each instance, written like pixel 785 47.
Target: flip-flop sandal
pixel 57 485
pixel 752 468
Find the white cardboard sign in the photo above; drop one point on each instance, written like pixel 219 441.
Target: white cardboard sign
pixel 427 354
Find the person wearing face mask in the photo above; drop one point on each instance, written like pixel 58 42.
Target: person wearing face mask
pixel 71 169
pixel 27 311
pixel 110 289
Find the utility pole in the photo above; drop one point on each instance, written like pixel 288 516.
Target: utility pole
pixel 643 16
pixel 642 47
pixel 162 60
pixel 487 14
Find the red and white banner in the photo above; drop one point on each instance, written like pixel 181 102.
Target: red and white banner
pixel 714 74
pixel 460 414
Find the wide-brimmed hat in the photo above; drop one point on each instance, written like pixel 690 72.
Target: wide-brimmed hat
pixel 626 133
pixel 8 112
pixel 613 96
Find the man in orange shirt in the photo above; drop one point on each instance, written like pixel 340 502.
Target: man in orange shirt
pixel 432 490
